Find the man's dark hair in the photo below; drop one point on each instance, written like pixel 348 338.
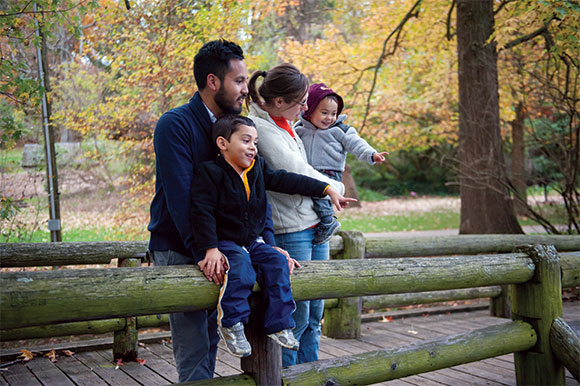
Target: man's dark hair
pixel 214 58
pixel 229 124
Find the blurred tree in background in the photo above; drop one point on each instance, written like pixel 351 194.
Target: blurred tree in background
pixel 116 70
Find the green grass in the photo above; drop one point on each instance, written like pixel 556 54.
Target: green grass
pixel 10 160
pixel 70 235
pixel 399 223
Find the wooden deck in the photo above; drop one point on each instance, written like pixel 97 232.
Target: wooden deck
pixel 96 367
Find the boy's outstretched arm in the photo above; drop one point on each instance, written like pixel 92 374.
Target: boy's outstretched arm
pixel 338 199
pixel 379 158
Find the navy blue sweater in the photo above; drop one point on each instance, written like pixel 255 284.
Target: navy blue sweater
pixel 220 199
pixel 182 142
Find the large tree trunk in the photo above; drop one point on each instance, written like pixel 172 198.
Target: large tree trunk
pixel 519 161
pixel 486 206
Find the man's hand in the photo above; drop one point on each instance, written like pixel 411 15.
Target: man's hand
pixel 214 265
pixel 337 199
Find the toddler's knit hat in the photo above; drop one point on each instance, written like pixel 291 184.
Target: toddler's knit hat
pixel 316 93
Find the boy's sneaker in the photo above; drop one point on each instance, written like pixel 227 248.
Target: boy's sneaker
pixel 235 340
pixel 285 338
pixel 325 231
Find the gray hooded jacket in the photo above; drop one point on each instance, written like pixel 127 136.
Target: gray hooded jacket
pixel 326 148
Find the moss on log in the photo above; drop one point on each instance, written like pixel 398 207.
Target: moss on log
pixel 566 345
pixel 84 253
pixel 64 329
pixel 570 263
pixel 539 302
pixel 398 300
pixel 57 254
pixel 93 327
pixel 343 278
pixel 46 297
pixel 393 363
pixel 377 246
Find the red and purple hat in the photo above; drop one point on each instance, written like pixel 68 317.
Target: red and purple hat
pixel 316 93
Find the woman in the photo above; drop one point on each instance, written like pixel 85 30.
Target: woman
pixel 280 98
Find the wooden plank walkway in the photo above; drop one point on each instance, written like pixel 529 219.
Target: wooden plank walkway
pixel 96 367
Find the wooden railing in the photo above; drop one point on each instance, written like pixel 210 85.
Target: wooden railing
pixel 34 300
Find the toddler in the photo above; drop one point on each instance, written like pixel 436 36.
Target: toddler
pixel 327 140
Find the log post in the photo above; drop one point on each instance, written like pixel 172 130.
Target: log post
pixel 265 363
pixel 539 302
pixel 343 321
pixel 501 306
pixel 566 345
pixel 126 341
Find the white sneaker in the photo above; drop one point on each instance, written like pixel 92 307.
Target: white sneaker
pixel 285 338
pixel 235 340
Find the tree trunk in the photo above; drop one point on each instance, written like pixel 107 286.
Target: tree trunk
pixel 486 206
pixel 518 161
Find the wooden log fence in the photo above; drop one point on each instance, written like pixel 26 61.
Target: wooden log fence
pixel 32 302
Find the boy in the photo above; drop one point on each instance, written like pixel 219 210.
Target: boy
pixel 230 207
pixel 326 141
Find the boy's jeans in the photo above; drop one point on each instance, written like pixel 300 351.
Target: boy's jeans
pixel 308 313
pixel 194 334
pixel 258 261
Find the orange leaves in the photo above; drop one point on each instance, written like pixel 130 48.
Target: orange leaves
pixel 52 355
pixel 26 355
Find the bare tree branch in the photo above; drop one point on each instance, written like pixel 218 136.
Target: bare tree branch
pixel 540 31
pixel 449 35
pixel 503 4
pixel 397 32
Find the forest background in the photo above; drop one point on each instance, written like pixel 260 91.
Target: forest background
pixel 475 98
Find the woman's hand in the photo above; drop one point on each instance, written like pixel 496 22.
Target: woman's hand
pixel 338 199
pixel 292 263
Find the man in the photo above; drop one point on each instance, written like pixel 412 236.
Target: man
pixel 182 141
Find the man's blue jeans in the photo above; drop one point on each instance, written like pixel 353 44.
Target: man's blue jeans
pixel 194 334
pixel 308 313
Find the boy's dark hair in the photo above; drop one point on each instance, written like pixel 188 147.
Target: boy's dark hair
pixel 229 124
pixel 214 58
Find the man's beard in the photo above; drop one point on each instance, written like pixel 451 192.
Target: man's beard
pixel 222 102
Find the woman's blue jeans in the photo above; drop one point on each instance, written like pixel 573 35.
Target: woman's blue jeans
pixel 308 313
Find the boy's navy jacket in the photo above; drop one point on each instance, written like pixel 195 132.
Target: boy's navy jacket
pixel 221 204
pixel 182 142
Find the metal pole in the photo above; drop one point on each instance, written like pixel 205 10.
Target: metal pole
pixel 54 221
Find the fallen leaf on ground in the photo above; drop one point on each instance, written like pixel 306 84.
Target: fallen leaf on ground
pixel 68 353
pixel 51 355
pixel 26 355
pixel 387 319
pixel 141 361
